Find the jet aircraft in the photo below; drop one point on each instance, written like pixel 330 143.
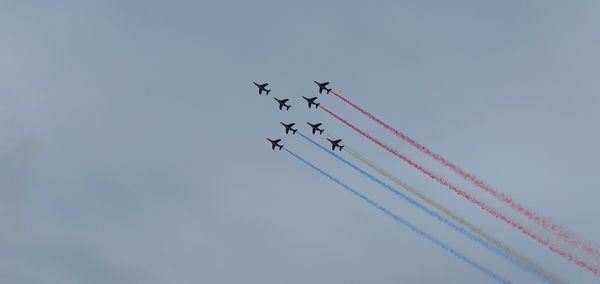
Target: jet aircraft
pixel 275 143
pixel 315 128
pixel 262 87
pixel 335 143
pixel 323 86
pixel 311 101
pixel 288 128
pixel 282 103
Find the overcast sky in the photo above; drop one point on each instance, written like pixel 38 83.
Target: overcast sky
pixel 132 140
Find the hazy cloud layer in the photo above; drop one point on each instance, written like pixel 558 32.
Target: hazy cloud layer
pixel 133 142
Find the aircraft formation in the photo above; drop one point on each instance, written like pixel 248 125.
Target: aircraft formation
pixel 288 127
pixel 581 253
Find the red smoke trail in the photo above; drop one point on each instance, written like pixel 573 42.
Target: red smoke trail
pixel 490 210
pixel 546 223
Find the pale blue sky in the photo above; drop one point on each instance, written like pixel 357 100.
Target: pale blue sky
pixel 133 147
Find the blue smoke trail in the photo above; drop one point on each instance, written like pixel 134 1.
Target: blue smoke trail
pixel 402 221
pixel 454 226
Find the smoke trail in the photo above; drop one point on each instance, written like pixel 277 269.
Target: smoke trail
pixel 452 225
pixel 549 276
pixel 402 221
pixel 545 222
pixel 579 262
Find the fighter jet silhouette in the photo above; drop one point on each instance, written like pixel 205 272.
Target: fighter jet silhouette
pixel 288 128
pixel 315 128
pixel 335 143
pixel 275 143
pixel 323 86
pixel 311 101
pixel 282 103
pixel 262 87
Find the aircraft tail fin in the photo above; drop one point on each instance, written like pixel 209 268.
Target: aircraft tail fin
pixel 288 107
pixel 317 105
pixel 268 91
pixel 321 131
pixel 328 90
pixel 294 131
pixel 280 146
pixel 341 147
